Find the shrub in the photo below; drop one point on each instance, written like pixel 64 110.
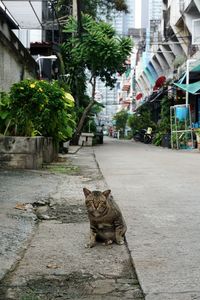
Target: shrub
pixel 141 120
pixel 42 108
pixel 5 118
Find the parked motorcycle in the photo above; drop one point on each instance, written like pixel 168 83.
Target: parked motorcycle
pixel 143 135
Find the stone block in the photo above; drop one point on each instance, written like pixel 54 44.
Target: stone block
pixel 86 139
pixel 50 152
pixel 21 152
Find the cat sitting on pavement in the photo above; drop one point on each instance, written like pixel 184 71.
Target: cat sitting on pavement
pixel 106 221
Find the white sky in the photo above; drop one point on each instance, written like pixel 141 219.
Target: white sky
pixel 138 14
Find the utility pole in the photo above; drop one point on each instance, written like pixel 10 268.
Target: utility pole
pixel 79 17
pixel 77 8
pixel 74 9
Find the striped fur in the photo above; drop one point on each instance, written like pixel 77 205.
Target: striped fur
pixel 106 221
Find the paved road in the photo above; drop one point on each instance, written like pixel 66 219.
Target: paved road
pixel 45 258
pixel 158 190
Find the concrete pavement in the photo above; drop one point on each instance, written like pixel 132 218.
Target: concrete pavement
pixel 44 255
pixel 158 190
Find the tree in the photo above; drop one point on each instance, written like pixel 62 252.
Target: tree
pixel 104 6
pixel 121 119
pixel 64 7
pixel 99 51
pixel 140 120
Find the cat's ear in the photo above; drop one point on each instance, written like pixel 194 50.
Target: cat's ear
pixel 106 193
pixel 86 192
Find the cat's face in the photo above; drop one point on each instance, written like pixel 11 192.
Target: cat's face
pixel 96 202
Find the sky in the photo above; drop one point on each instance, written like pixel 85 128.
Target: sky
pixel 138 14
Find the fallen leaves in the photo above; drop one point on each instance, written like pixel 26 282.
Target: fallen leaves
pixel 53 266
pixel 24 206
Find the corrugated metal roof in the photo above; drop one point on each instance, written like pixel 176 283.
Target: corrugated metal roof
pixel 193 88
pixel 27 14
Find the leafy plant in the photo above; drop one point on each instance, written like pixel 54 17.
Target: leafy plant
pixel 140 120
pixel 5 115
pixel 164 126
pixel 120 120
pixel 42 107
pixel 158 139
pixel 99 51
pixel 91 6
pixel 197 131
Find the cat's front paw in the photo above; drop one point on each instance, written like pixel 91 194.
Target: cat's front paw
pixel 120 242
pixel 109 242
pixel 89 245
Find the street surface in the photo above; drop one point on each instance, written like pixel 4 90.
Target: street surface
pixel 44 226
pixel 158 191
pixel 44 229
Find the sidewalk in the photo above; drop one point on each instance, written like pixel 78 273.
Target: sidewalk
pixel 44 228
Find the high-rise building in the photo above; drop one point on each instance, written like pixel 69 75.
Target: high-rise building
pixel 155 9
pixel 122 22
pixel 144 13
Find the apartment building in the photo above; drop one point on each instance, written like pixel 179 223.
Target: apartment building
pixel 175 50
pixel 112 98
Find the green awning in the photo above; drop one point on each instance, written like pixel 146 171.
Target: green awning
pixel 192 88
pixel 149 76
pixel 196 69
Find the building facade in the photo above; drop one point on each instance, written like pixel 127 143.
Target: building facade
pixel 113 99
pixel 172 51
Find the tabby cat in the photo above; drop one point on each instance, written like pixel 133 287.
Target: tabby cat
pixel 106 220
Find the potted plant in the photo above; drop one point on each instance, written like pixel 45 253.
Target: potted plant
pixel 42 115
pixel 197 132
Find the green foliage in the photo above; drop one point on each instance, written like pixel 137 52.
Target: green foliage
pixel 5 118
pixel 39 107
pixel 140 120
pixel 164 126
pixel 103 6
pixel 90 6
pixel 99 49
pixel 99 53
pixel 165 115
pixel 90 124
pixel 158 139
pixel 197 132
pixel 121 120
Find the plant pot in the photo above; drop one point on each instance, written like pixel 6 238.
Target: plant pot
pixel 25 152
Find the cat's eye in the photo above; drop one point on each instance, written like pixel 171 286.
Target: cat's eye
pixel 89 203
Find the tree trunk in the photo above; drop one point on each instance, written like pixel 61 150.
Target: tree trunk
pixel 85 113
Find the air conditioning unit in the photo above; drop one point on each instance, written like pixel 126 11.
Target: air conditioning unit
pixel 196 32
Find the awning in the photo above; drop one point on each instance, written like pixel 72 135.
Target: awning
pixel 160 81
pixel 27 14
pixel 152 70
pixel 149 76
pixel 138 96
pixel 196 69
pixel 193 88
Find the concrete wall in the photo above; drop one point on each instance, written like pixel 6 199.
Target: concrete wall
pixel 26 152
pixel 15 61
